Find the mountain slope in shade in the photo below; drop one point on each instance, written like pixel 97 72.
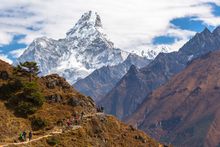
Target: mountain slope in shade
pixel 102 80
pixel 123 99
pixel 186 110
pixel 85 49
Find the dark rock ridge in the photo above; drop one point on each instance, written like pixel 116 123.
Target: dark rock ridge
pixel 102 80
pixel 157 73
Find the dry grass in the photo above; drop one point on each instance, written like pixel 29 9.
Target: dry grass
pixel 96 130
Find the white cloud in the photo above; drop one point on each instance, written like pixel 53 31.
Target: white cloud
pixel 5 58
pixel 5 38
pixel 129 23
pixel 17 53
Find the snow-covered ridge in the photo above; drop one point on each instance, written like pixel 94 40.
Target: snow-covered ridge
pixel 84 49
pixel 152 52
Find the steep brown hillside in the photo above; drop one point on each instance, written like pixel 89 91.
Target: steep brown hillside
pixel 186 110
pixel 101 130
pixel 136 85
pixel 60 102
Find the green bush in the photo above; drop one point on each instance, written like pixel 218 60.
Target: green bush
pixel 8 90
pixel 52 141
pixel 37 99
pixel 27 100
pixel 25 108
pixel 38 123
pixel 23 97
pixel 29 87
pixel 32 94
pixel 5 91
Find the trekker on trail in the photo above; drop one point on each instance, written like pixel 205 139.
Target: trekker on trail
pixel 24 135
pixel 30 136
pixel 82 114
pixel 77 119
pixel 68 122
pixel 102 109
pixel 20 136
pixel 72 120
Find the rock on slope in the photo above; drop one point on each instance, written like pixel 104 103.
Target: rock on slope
pixel 102 80
pixel 133 88
pixel 85 48
pixel 186 110
pixel 61 101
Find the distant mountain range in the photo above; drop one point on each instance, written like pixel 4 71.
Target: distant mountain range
pixel 85 49
pixel 185 111
pixel 133 88
pixel 102 80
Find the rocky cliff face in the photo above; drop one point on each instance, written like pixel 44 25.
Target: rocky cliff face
pixel 158 72
pixel 102 80
pixel 85 48
pixel 186 110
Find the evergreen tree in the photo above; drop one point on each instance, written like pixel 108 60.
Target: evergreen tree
pixel 29 68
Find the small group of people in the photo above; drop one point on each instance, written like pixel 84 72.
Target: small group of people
pixel 100 109
pixel 75 119
pixel 23 136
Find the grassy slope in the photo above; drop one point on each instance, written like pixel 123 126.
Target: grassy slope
pixel 97 130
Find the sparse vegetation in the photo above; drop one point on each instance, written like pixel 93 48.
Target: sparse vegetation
pixel 38 123
pixel 23 96
pixel 52 141
pixel 27 99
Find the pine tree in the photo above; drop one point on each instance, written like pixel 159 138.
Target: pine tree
pixel 29 68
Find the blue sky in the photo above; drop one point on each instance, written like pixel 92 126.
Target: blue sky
pixel 13 45
pixel 130 25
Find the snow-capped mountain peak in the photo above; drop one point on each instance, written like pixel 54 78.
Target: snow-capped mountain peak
pixel 87 30
pixel 89 20
pixel 85 49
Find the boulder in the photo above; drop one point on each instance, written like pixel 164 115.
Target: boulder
pixel 73 102
pixel 56 98
pixel 4 75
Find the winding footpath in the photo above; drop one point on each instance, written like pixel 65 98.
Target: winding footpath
pixel 50 134
pixel 41 137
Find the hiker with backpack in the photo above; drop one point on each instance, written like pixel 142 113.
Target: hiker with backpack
pixel 24 135
pixel 68 123
pixel 20 136
pixel 30 136
pixel 102 109
pixel 98 109
pixel 82 114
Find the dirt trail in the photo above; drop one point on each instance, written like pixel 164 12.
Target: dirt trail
pixel 50 134
pixel 41 137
